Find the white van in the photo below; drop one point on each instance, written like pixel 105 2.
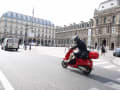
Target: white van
pixel 10 43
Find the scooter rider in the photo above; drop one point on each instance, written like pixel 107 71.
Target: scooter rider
pixel 82 49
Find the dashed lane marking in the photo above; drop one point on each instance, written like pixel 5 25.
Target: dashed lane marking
pixel 6 84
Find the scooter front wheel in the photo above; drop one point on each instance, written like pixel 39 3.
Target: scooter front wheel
pixel 64 64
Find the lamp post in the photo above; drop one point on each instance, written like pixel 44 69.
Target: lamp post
pixel 110 31
pixel 119 37
pixel 26 36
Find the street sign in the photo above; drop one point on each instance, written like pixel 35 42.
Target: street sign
pixel 89 37
pixel 30 34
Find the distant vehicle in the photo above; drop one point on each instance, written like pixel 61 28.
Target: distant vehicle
pixel 116 52
pixel 10 43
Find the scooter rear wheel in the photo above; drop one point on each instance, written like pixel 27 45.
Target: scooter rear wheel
pixel 88 70
pixel 64 64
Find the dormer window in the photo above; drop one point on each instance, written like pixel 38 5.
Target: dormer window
pixel 112 4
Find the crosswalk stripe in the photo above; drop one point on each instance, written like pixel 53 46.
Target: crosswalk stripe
pixel 109 66
pixel 99 63
pixel 118 70
pixel 106 65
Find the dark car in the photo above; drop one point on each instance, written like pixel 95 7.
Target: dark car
pixel 116 52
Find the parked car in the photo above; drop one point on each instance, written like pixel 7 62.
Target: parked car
pixel 10 43
pixel 116 52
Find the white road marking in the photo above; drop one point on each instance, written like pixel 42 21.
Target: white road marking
pixel 113 85
pixel 118 70
pixel 5 82
pixel 100 63
pixel 93 89
pixel 109 66
pixel 117 61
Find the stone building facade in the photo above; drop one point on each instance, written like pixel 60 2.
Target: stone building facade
pixel 64 34
pixel 27 28
pixel 106 28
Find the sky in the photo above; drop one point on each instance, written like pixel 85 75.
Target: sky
pixel 59 12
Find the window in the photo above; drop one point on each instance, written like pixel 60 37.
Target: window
pixel 34 19
pixel 10 31
pixel 5 25
pixel 14 14
pixel 112 4
pixel 82 25
pixel 42 21
pixel 21 32
pixel 102 6
pixel 29 18
pixel 108 29
pixel 97 21
pixel 113 29
pixel 5 30
pixel 9 14
pixel 39 21
pixel 104 30
pixel 96 31
pixel 26 18
pixel 19 16
pixel 87 24
pixel 15 31
pixel 104 20
pixel 113 19
pixel 23 17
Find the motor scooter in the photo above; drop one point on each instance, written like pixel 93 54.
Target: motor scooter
pixel 85 65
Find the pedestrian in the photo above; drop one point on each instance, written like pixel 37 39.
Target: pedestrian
pixel 103 50
pixel 29 46
pixel 25 45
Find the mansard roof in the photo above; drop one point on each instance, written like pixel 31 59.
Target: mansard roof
pixel 109 4
pixel 26 18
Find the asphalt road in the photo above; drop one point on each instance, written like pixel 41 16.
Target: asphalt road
pixel 26 70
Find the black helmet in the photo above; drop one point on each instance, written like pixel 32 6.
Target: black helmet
pixel 75 38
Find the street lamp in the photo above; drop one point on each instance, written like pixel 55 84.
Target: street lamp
pixel 119 37
pixel 26 36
